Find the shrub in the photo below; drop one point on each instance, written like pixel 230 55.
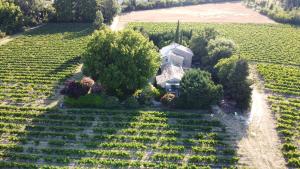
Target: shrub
pixel 168 100
pixel 87 82
pixel 96 89
pixel 126 60
pixel 2 34
pixel 87 101
pixel 131 102
pixel 147 94
pixel 74 89
pixel 198 90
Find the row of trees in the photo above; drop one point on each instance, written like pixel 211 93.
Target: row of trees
pixel 16 14
pixel 85 10
pixel 285 11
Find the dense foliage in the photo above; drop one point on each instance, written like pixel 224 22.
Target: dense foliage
pixel 33 65
pixel 85 10
pixel 232 74
pixel 35 11
pixel 121 61
pixel 10 17
pixel 286 11
pixel 197 90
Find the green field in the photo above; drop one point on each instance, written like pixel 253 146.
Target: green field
pixel 275 50
pixel 34 64
pixel 95 138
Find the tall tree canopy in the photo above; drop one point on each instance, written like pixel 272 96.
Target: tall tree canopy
pixel 121 61
pixel 85 10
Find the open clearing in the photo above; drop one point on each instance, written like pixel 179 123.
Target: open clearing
pixel 231 12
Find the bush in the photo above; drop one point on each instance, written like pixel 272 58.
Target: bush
pixel 2 34
pixel 198 90
pixel 125 59
pixel 74 89
pixel 87 82
pixel 96 89
pixel 168 100
pixel 131 102
pixel 147 94
pixel 87 101
pixel 10 17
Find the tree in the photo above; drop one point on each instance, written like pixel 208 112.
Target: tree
pixel 177 33
pixel 121 61
pixel 64 10
pixel 199 43
pixel 33 10
pixel 219 49
pixel 85 10
pixel 198 90
pixel 10 17
pixel 98 20
pixel 109 9
pixel 233 73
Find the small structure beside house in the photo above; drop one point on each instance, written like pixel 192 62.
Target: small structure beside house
pixel 175 59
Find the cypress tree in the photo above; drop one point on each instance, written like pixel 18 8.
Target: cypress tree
pixel 177 34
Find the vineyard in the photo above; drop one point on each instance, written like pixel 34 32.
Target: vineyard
pixel 34 64
pixel 37 138
pixel 271 43
pixel 275 49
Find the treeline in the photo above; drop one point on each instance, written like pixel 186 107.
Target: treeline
pixel 15 15
pixel 286 11
pixel 132 5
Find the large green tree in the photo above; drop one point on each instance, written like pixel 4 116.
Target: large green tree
pixel 121 61
pixel 233 73
pixel 33 10
pixel 10 17
pixel 199 43
pixel 197 90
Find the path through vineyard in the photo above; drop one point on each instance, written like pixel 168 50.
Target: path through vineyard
pixel 259 147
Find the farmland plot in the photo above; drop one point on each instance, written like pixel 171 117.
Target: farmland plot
pixel 36 138
pixel 33 65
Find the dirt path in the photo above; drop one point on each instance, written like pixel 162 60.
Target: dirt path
pixel 229 12
pixel 257 139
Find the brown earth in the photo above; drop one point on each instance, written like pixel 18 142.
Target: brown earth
pixel 230 12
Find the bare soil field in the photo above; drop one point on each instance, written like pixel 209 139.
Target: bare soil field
pixel 230 12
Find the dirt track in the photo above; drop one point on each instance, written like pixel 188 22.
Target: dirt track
pixel 231 12
pixel 255 133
